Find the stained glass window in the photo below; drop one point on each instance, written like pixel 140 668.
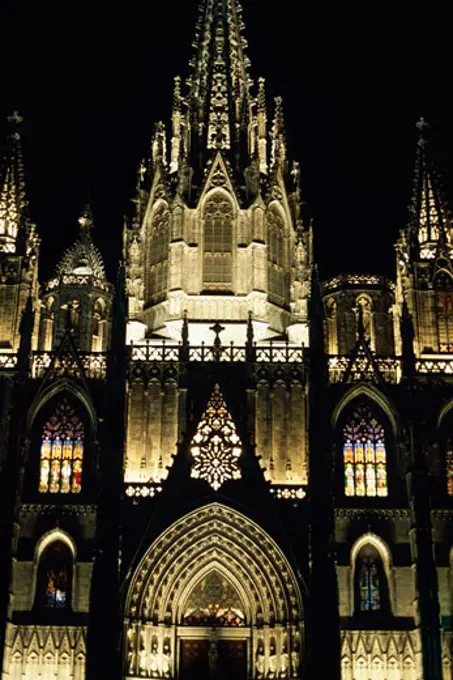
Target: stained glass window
pixel 62 450
pixel 364 455
pixel 54 580
pixel 369 570
pixel 216 445
pixel 214 602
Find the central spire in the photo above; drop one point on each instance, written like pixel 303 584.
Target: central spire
pixel 219 100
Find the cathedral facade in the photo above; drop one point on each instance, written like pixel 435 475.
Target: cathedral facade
pixel 218 466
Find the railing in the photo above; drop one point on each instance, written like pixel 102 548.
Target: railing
pixel 8 361
pixel 94 364
pixel 388 367
pixel 78 280
pixel 137 491
pixel 149 352
pixel 434 366
pixel 274 353
pixel 365 280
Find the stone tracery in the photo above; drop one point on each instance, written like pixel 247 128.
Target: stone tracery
pixel 220 544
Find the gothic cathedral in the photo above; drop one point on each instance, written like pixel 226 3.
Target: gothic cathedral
pixel 218 466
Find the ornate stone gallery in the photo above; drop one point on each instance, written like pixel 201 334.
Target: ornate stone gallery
pixel 214 591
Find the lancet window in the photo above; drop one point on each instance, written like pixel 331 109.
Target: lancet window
pixel 444 312
pixel 364 454
pixel 62 451
pixel 216 445
pixel 218 243
pixel 54 577
pixel 371 585
pixel 277 254
pixel 158 246
pixel 364 311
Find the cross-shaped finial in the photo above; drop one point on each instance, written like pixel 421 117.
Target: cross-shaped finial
pixel 86 220
pixel 15 118
pixel 217 328
pixel 423 127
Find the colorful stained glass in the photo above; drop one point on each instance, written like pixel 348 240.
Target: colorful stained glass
pixel 369 581
pixel 55 570
pixel 364 455
pixel 216 445
pixel 62 451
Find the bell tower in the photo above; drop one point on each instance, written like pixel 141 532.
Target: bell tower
pixel 218 232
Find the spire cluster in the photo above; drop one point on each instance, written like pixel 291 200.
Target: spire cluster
pixel 429 215
pixel 13 200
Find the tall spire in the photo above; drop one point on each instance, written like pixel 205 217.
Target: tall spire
pixel 430 217
pixel 219 84
pixel 12 188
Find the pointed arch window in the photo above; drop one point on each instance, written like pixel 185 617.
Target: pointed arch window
pixel 218 243
pixel 62 451
pixel 277 254
pixel 364 454
pixel 55 577
pixel 444 311
pixel 371 590
pixel 216 445
pixel 158 249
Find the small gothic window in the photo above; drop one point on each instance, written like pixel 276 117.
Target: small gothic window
pixel 62 450
pixel 370 578
pixel 364 454
pixel 444 312
pixel 158 249
pixel 277 254
pixel 218 243
pixel 364 310
pixel 97 316
pixel 54 577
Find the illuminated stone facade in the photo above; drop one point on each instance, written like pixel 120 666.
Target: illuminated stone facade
pixel 222 467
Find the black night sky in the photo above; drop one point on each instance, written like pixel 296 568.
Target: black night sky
pixel 92 78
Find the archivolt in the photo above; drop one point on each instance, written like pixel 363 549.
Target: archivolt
pixel 215 537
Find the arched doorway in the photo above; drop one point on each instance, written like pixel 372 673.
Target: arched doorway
pixel 214 596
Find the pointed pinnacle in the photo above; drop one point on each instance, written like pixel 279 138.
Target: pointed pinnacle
pixel 424 128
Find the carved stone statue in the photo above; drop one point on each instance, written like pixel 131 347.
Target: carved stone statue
pixel 143 656
pixel 213 654
pixel 272 662
pixel 284 663
pixel 131 655
pixel 154 665
pixel 166 660
pixel 259 662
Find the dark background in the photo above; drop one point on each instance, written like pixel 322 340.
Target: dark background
pixel 92 78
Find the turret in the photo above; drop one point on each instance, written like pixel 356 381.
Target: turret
pixel 424 256
pixel 79 295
